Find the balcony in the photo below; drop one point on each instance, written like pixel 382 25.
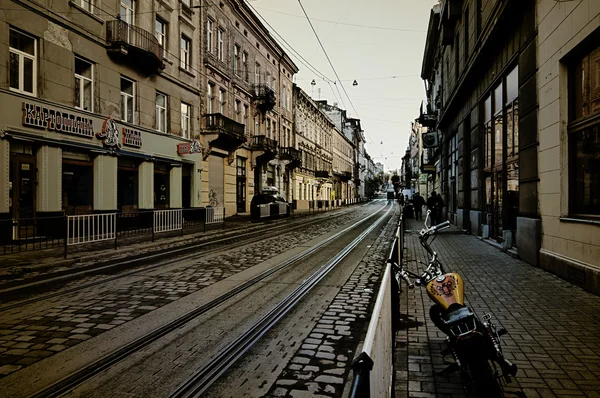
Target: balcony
pixel 264 97
pixel 322 174
pixel 291 154
pixel 263 148
pixel 134 45
pixel 346 176
pixel 223 133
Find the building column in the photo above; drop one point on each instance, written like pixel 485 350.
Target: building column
pixel 146 185
pixel 49 181
pixel 105 183
pixel 4 177
pixel 175 188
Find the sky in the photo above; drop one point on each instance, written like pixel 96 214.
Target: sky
pixel 378 43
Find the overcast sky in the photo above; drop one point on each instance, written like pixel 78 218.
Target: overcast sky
pixel 378 43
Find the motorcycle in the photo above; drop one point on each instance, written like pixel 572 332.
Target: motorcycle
pixel 474 343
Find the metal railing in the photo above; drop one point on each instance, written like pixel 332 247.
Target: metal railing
pixel 373 367
pixel 119 31
pixel 264 143
pixel 91 228
pixel 27 234
pixel 167 220
pixel 215 215
pixel 216 121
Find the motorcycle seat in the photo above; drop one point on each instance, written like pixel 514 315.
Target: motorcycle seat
pixel 457 315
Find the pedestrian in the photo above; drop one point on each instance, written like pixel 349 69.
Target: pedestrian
pixel 432 205
pixel 418 203
pixel 440 206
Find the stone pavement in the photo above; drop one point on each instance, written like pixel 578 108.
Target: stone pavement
pixel 39 330
pixel 553 326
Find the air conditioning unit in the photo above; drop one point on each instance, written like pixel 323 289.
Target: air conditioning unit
pixel 431 139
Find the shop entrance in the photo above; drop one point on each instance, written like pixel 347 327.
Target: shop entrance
pixel 22 192
pixel 127 185
pixel 186 186
pixel 161 186
pixel 240 185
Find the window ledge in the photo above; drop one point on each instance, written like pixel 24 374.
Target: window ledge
pixel 187 72
pixel 579 220
pixel 167 60
pixel 84 11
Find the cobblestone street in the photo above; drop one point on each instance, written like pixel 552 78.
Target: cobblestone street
pixel 553 326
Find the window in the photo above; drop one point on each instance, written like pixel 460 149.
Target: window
pixel 466 33
pixel 23 62
pixel 245 115
pixel 87 5
pixel 488 132
pixel 161 112
pixel 268 79
pixel 220 48
pixel 245 65
pixel 209 36
pixel 584 134
pixel 186 111
pixel 498 126
pixel 128 11
pixel 210 97
pixel 127 99
pixel 257 74
pixel 185 53
pixel 222 97
pixel 161 32
pixel 186 3
pixel 84 85
pixel 236 59
pixel 237 108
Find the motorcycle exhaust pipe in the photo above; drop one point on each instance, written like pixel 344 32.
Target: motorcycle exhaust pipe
pixel 509 367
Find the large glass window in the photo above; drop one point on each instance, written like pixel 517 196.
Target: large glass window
pixel 127 185
pixel 84 85
pixel 185 53
pixel 487 111
pixel 498 126
pixel 161 32
pixel 77 183
pixel 584 135
pixel 186 111
pixel 127 99
pixel 23 62
pixel 161 112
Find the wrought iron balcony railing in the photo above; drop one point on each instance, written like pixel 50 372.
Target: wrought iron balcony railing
pixel 265 97
pixel 290 154
pixel 222 124
pixel 322 174
pixel 131 41
pixel 264 143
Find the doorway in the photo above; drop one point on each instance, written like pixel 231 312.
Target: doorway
pixel 240 187
pixel 22 195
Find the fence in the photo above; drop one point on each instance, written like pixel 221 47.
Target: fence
pixel 64 231
pixel 373 367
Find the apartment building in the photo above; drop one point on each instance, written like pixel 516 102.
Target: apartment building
pixel 247 108
pixel 100 107
pixel 314 132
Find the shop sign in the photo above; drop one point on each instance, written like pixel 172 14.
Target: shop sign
pixel 55 120
pixel 422 178
pixel 189 148
pixel 109 134
pixel 132 137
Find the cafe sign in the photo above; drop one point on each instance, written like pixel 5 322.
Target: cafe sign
pixel 42 117
pixel 188 148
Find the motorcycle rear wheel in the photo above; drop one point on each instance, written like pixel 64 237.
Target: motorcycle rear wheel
pixel 482 380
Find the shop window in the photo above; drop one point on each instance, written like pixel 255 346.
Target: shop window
pixel 84 85
pixel 127 185
pixel 127 99
pixel 23 62
pixel 584 134
pixel 77 183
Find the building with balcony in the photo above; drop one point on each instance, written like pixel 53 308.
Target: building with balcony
pixel 313 131
pixel 100 107
pixel 247 79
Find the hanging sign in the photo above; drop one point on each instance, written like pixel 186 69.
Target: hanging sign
pixel 188 148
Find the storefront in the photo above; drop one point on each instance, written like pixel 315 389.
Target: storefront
pixel 62 160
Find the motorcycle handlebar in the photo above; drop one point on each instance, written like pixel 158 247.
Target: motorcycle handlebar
pixel 408 281
pixel 441 226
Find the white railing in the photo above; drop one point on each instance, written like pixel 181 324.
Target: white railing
pixel 265 210
pixel 215 215
pixel 282 208
pixel 91 228
pixel 167 220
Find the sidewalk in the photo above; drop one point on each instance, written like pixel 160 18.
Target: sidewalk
pixel 553 326
pixel 25 266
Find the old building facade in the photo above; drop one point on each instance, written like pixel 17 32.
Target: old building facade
pixel 100 107
pixel 511 93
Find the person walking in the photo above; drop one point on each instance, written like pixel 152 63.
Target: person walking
pixel 440 206
pixel 418 203
pixel 432 204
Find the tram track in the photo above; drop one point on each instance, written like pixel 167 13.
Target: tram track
pixel 200 381
pixel 225 244
pixel 82 375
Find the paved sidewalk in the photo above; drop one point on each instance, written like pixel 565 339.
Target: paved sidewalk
pixel 553 326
